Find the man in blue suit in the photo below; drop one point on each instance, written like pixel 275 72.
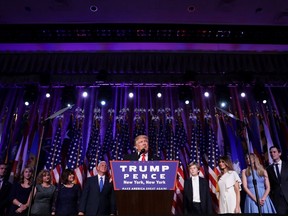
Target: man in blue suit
pixel 196 198
pixel 98 196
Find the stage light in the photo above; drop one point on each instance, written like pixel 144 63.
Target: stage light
pixel 243 94
pixel 103 102
pixel 26 103
pixel 85 93
pixel 223 104
pixel 47 95
pixel 264 101
pixel 131 95
pixel 187 102
pixel 206 94
pixel 159 94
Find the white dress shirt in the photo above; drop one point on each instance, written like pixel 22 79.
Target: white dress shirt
pixel 195 187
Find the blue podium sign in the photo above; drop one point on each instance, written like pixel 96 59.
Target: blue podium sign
pixel 149 175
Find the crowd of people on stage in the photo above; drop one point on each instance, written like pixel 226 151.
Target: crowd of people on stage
pixel 266 190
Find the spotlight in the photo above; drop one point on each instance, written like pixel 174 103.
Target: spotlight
pixel 223 104
pixel 186 102
pixel 48 95
pixel 159 94
pixel 264 101
pixel 103 102
pixel 85 93
pixel 206 94
pixel 26 103
pixel 131 94
pixel 243 94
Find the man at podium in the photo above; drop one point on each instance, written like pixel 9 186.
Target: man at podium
pixel 141 144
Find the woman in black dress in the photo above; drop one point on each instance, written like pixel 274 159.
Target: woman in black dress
pixel 67 195
pixel 21 193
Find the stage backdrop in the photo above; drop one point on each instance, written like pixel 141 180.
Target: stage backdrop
pixel 88 133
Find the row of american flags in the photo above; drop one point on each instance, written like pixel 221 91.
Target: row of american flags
pixel 197 135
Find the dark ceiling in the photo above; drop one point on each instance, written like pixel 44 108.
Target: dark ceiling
pixel 154 27
pixel 239 12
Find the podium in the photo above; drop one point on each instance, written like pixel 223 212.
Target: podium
pixel 144 188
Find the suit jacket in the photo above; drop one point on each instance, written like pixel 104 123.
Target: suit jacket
pixel 205 197
pixel 4 196
pixel 134 157
pixel 94 202
pixel 278 191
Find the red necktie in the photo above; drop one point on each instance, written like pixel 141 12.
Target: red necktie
pixel 143 157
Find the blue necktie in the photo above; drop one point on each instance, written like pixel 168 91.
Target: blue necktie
pixel 101 183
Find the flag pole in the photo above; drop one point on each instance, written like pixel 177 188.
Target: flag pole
pixel 244 126
pixel 43 123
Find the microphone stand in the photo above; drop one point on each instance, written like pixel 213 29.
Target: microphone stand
pixel 244 126
pixel 43 123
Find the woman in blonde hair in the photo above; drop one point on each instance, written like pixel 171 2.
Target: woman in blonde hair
pixel 229 187
pixel 263 186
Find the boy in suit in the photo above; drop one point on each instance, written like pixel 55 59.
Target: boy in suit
pixel 197 199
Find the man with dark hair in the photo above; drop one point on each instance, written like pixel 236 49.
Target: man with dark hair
pixel 5 188
pixel 278 177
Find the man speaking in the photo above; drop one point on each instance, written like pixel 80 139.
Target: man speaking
pixel 141 144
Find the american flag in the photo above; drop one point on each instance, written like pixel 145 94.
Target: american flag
pixel 212 160
pixel 75 151
pixel 53 162
pixel 108 138
pixel 93 153
pixel 161 135
pixel 139 122
pixel 180 141
pixel 169 135
pixel 121 142
pixel 153 132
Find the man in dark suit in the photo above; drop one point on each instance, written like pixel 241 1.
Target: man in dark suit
pixel 196 198
pixel 98 196
pixel 141 144
pixel 5 188
pixel 278 177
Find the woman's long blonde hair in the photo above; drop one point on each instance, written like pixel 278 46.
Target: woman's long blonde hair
pixel 257 166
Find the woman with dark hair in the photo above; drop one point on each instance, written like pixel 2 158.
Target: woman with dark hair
pixel 67 195
pixel 43 194
pixel 229 184
pixel 21 193
pixel 263 186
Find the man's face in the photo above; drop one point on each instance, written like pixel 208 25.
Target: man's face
pixel 275 154
pixel 142 143
pixel 2 170
pixel 193 170
pixel 102 168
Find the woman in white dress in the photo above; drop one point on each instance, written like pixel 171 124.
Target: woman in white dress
pixel 229 184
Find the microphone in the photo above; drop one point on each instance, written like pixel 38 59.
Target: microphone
pixel 141 152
